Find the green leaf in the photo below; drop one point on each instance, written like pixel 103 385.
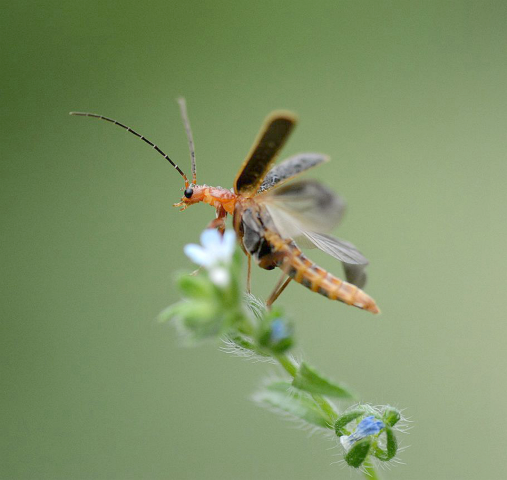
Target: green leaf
pixel 344 420
pixel 309 380
pixel 392 443
pixel 391 447
pixel 195 319
pixel 243 342
pixel 280 396
pixel 196 312
pixel 171 311
pixel 196 286
pixel 358 453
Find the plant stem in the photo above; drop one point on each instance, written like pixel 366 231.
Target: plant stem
pixel 369 471
pixel 288 364
pixel 327 408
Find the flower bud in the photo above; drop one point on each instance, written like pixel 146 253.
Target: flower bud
pixel 277 335
pixel 365 430
pixel 391 416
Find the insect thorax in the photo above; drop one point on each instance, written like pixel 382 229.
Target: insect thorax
pixel 251 224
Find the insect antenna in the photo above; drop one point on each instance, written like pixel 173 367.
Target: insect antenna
pixel 184 115
pixel 144 139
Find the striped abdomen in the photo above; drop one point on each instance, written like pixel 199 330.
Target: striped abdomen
pixel 294 263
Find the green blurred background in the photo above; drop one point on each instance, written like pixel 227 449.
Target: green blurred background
pixel 410 101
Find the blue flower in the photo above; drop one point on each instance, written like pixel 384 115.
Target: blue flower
pixel 215 254
pixel 279 330
pixel 366 427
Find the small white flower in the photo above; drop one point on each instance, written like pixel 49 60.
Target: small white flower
pixel 220 276
pixel 215 254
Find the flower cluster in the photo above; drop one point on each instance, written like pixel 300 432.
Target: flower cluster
pixel 214 305
pixel 368 432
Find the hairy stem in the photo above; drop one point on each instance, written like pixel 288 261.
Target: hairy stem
pixel 288 364
pixel 369 471
pixel 291 368
pixel 327 408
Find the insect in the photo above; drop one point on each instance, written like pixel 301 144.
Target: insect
pixel 273 217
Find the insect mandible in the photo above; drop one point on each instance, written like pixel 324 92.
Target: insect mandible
pixel 273 218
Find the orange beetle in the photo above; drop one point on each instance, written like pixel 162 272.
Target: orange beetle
pixel 272 217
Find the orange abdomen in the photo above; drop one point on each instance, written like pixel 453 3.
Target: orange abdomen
pixel 295 264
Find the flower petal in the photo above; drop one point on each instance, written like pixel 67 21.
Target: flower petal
pixel 220 276
pixel 228 244
pixel 367 426
pixel 210 238
pixel 197 254
pixel 346 442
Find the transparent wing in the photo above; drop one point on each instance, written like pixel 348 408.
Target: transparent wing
pixel 306 211
pixel 354 262
pixel 304 205
pixel 291 167
pixel 340 249
pixel 271 138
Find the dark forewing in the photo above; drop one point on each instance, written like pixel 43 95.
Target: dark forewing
pixel 271 138
pixel 291 167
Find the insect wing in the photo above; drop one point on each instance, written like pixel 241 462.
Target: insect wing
pixel 340 249
pixel 290 168
pixel 304 205
pixel 271 138
pixel 305 211
pixel 355 274
pixel 354 262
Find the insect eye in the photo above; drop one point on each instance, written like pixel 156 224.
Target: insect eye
pixel 188 192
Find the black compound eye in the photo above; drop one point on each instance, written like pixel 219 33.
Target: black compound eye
pixel 188 192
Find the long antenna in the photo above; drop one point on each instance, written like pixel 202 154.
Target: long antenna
pixel 186 123
pixel 144 139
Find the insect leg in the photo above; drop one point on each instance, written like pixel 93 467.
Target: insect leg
pixel 279 288
pixel 219 221
pixel 249 274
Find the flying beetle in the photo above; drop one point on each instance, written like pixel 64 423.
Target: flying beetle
pixel 273 217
